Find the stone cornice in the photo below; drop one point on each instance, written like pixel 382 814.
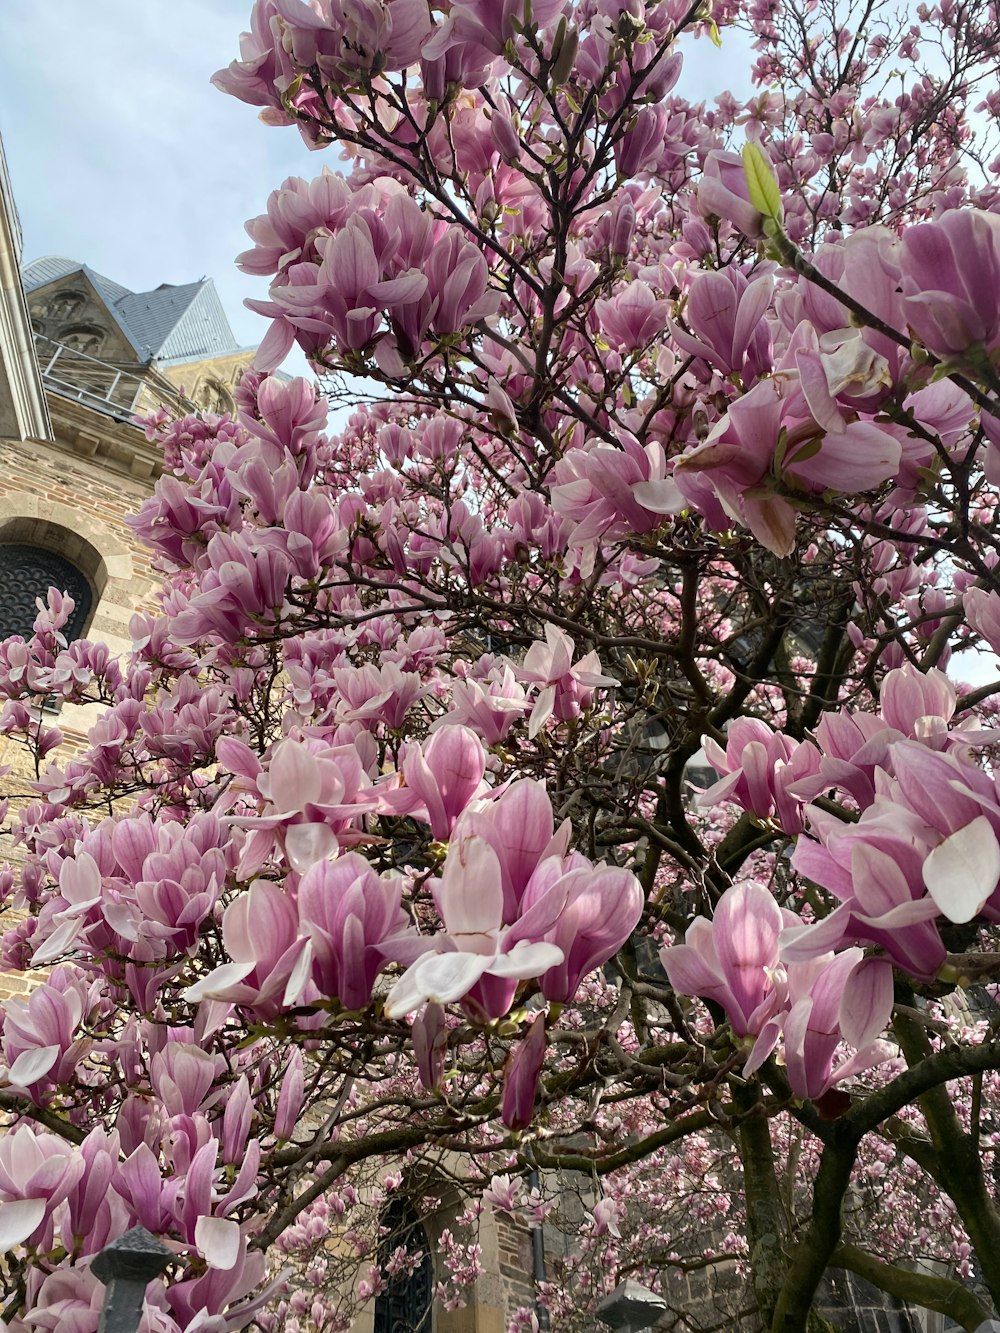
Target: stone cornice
pixel 120 446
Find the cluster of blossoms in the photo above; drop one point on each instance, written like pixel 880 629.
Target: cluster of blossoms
pixel 383 840
pixel 812 1005
pixel 923 845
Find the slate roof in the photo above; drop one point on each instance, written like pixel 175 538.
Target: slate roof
pixel 170 323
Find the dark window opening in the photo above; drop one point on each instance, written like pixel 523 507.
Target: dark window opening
pixel 28 572
pixel 404 1305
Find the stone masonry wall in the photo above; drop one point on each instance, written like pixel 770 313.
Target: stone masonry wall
pixel 51 498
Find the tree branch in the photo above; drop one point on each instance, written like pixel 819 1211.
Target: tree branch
pixel 942 1294
pixel 815 1249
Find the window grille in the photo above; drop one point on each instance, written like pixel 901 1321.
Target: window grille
pixel 27 572
pixel 404 1305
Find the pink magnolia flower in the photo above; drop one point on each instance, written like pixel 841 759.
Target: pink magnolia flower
pixel 37 1172
pixel 349 912
pixel 200 1212
pixel 68 1300
pixel 851 456
pixel 489 707
pixel 345 38
pixel 263 62
pixel 519 825
pixel 440 779
pixel 503 1192
pixel 834 373
pixel 297 213
pixel 521 1072
pixel 738 961
pixel 586 911
pixel 951 273
pixel 759 767
pixel 180 879
pixel 726 315
pixel 42 1043
pixel 429 1036
pixel 182 1075
pixel 476 945
pixel 567 690
pixel 959 803
pixel 486 23
pixel 242 586
pixel 733 958
pixel 723 476
pixel 290 36
pixel 723 193
pixel 311 796
pixel 928 845
pixel 920 704
pixel 633 318
pixel 270 965
pixel 230 1293
pixel 640 149
pixel 139 1182
pixel 77 908
pixel 286 418
pixel 838 998
pixel 458 282
pixel 982 610
pixel 93 1210
pixel 875 868
pixel 607 1214
pixel 345 287
pixel 865 266
pixel 372 693
pixel 852 746
pixel 604 492
pixel 740 453
pixel 291 1097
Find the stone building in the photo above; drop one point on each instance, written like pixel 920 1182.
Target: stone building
pixel 103 355
pixel 80 357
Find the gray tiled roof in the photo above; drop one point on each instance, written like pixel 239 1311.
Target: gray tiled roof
pixel 42 271
pixel 170 323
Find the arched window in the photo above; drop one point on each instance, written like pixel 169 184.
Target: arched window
pixel 27 572
pixel 65 305
pixel 405 1303
pixel 86 338
pixel 212 396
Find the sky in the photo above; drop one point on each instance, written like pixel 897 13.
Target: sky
pixel 123 156
pixel 121 153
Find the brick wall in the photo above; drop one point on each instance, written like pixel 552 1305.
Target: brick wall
pixel 59 479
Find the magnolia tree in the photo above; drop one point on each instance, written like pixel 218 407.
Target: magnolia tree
pixel 383 869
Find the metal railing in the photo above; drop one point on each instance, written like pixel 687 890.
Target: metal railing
pixel 103 386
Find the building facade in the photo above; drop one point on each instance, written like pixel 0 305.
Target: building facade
pixel 81 357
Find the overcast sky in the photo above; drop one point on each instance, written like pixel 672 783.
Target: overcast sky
pixel 123 156
pixel 121 153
